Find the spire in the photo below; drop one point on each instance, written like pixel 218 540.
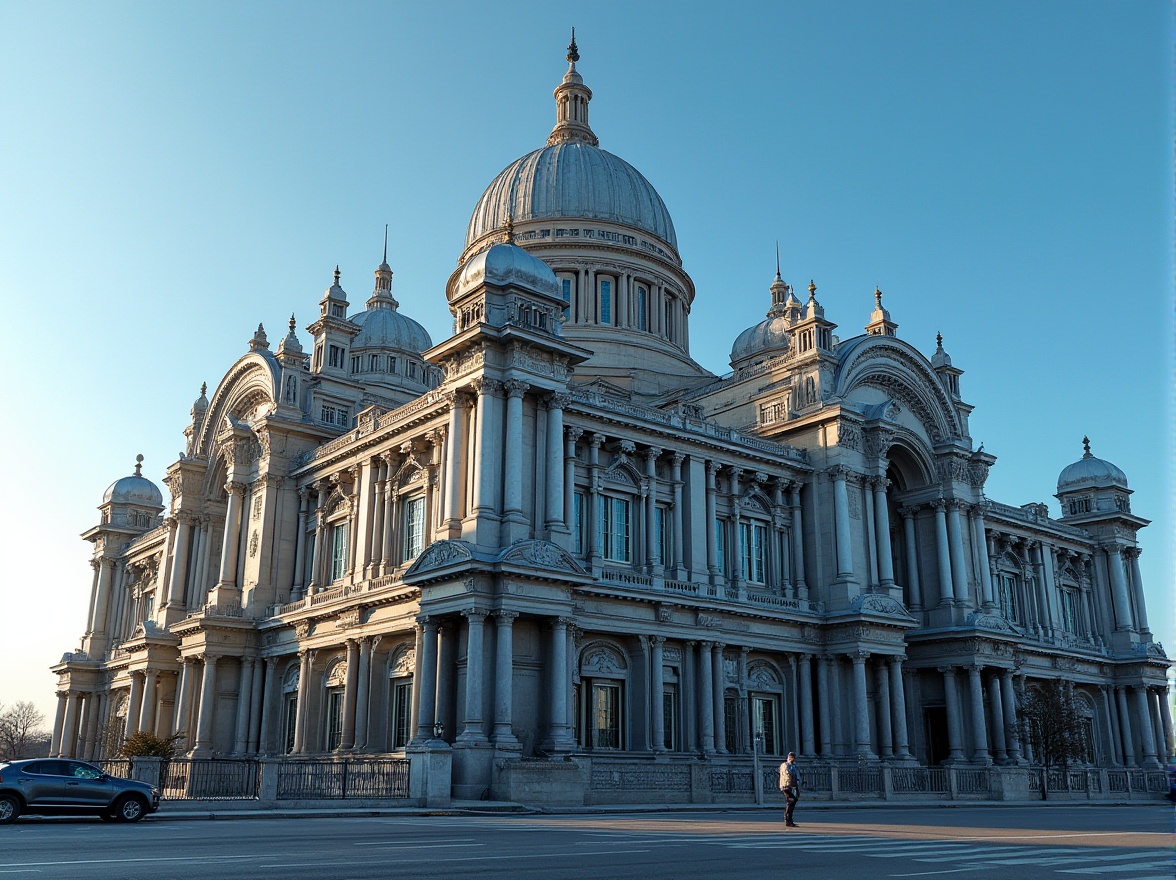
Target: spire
pixel 781 291
pixel 880 323
pixel 259 340
pixel 777 259
pixel 382 297
pixel 571 105
pixel 1086 453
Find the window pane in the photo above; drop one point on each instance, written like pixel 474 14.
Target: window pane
pixel 670 718
pixel 401 712
pixel 606 716
pixel 605 302
pixel 414 528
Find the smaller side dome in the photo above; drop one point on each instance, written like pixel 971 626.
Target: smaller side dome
pixel 385 327
pixel 1090 472
pixel 135 489
pixel 504 264
pixel 767 338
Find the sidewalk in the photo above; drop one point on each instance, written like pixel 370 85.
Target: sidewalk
pixel 195 810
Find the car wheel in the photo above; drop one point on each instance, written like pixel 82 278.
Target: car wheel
pixel 9 808
pixel 129 808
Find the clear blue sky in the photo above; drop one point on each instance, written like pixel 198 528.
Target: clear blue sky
pixel 172 174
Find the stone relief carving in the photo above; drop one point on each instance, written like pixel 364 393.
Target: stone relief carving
pixel 541 554
pixel 442 553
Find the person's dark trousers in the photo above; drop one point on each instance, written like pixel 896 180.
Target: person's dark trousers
pixel 790 798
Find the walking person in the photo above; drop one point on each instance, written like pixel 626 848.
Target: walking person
pixel 790 787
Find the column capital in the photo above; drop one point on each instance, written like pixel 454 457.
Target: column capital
pixel 573 433
pixel 657 640
pixel 652 453
pixel 557 400
pixel 516 387
pixel 937 504
pixel 677 458
pixel 859 656
pixel 235 487
pixel 597 440
pixel 712 468
pixel 474 612
pixel 946 670
pixel 505 616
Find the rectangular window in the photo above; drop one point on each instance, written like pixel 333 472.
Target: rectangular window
pixel 578 524
pixel 290 717
pixel 318 357
pixel 1068 611
pixel 339 551
pixel 414 528
pixel 1008 597
pixel 670 718
pixel 606 716
pixel 355 363
pixel 669 325
pixel 614 529
pixel 566 286
pixel 765 722
pixel 401 712
pixel 412 369
pixel 731 722
pixel 642 308
pixel 391 364
pixel 373 363
pixel 334 718
pixel 753 539
pixel 335 356
pixel 605 301
pixel 721 546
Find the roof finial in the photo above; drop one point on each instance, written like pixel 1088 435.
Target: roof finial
pixel 385 242
pixel 139 465
pixel 337 274
pixel 812 290
pixel 203 388
pixel 1086 453
pixel 573 52
pixel 939 340
pixel 877 297
pixel 777 259
pixel 291 322
pixel 508 227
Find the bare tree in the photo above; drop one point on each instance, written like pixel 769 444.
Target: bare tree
pixel 1053 725
pixel 22 734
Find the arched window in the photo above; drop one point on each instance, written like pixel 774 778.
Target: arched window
pixel 642 307
pixel 765 691
pixel 604 673
pixel 400 671
pixel 289 707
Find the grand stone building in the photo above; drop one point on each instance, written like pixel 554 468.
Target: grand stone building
pixel 554 535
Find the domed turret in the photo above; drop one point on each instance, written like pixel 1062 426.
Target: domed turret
pixel 772 335
pixel 1091 486
pixel 135 489
pixel 501 265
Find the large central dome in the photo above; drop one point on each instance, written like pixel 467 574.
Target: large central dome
pixel 576 180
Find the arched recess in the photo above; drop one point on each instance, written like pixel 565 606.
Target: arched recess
pixel 909 472
pixel 770 708
pixel 401 669
pixel 250 385
pixel 906 376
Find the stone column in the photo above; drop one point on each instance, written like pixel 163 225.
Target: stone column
pixel 981 539
pixel 823 707
pixel 947 590
pixel 1165 721
pixel 69 730
pixel 376 563
pixel 861 706
pixel 58 724
pixel 1125 724
pixel 883 712
pixel 719 694
pixel 1009 708
pixel 1131 555
pixel 561 739
pixel 244 702
pixel 1119 599
pixel 677 563
pixel 797 541
pixel 135 704
pixel 571 436
pixel 207 707
pixel 805 674
pixel 300 544
pixel 232 540
pixel 706 700
pixel 882 531
pixel 150 701
pixel 183 707
pixel 998 721
pixel 301 709
pixel 179 572
pixel 351 679
pixel 320 538
pixel 912 558
pixel 712 546
pixel 959 568
pixel 364 691
pixel 487 482
pixel 951 697
pixel 594 444
pixel 1157 723
pixel 555 463
pixel 657 687
pixel 979 726
pixel 426 672
pixel 503 733
pixel 841 523
pixel 513 453
pixel 898 715
pixel 472 732
pixel 652 539
pixel 1147 738
pixel 265 740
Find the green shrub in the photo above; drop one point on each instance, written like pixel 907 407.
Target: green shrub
pixel 146 745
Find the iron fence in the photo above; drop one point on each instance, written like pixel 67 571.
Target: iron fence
pixel 972 780
pixel 346 778
pixel 209 778
pixel 919 780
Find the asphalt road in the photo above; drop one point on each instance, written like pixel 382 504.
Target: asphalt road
pixel 1014 843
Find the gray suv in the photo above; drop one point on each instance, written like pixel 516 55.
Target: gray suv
pixel 59 786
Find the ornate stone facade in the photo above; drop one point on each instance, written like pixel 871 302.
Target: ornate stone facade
pixel 554 533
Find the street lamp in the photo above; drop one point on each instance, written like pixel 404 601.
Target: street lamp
pixel 438 731
pixel 757 743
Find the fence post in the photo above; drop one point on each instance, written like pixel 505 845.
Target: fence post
pixel 887 783
pixel 834 783
pixel 953 785
pixel 267 793
pixel 146 770
pixel 346 767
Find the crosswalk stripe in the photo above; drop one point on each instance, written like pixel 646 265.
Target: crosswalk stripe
pixel 1107 869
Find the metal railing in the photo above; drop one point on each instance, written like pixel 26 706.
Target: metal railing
pixel 347 778
pixel 210 778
